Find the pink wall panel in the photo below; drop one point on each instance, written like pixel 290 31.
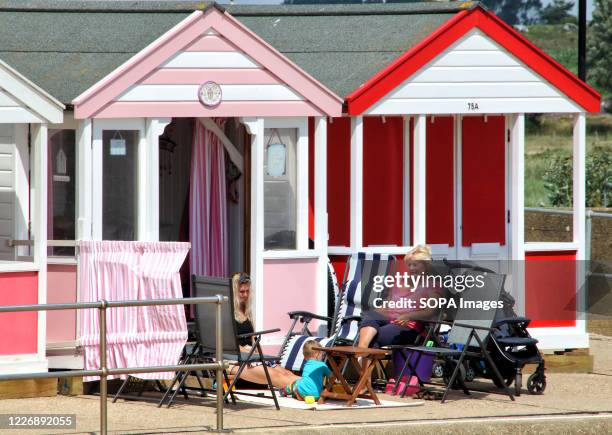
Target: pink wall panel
pixel 288 285
pixel 61 288
pixel 222 76
pixel 19 331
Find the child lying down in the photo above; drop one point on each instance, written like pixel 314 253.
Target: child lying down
pixel 311 382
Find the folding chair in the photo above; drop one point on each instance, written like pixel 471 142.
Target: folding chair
pixel 467 338
pixel 143 384
pixel 353 297
pixel 205 350
pixel 186 358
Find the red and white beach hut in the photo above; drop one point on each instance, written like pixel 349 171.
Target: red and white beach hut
pixel 459 97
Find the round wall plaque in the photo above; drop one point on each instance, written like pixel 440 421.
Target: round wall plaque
pixel 209 94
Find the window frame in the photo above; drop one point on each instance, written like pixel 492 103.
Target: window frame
pixel 97 170
pixel 69 124
pixel 301 172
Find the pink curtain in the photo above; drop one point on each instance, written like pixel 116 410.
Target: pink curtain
pixel 136 336
pixel 208 204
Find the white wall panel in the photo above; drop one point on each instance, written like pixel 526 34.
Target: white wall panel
pixel 472 90
pixel 6 161
pixel 210 59
pixel 476 58
pixel 468 106
pixel 474 42
pixel 18 115
pixel 474 75
pixel 6 100
pixel 471 74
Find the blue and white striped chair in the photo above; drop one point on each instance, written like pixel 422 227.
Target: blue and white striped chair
pixel 351 295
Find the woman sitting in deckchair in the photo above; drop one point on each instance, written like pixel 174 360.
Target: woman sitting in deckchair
pixel 254 372
pixel 389 326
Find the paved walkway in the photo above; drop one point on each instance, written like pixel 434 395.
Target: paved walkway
pixel 572 403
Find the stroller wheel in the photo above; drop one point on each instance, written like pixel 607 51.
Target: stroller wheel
pixel 470 374
pixel 448 373
pixel 536 384
pixel 438 370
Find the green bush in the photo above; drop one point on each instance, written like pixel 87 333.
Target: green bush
pixel 558 177
pixel 599 46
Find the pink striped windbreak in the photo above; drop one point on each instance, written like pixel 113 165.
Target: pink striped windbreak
pixel 136 336
pixel 208 204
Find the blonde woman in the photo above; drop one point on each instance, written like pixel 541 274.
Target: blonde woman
pixel 241 285
pixel 402 326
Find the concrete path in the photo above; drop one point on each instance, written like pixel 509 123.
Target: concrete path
pixel 572 403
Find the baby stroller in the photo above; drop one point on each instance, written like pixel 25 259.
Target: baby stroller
pixel 511 347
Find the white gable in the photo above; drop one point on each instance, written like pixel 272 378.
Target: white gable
pixel 21 101
pixel 474 75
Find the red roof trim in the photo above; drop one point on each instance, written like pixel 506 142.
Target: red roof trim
pixel 415 58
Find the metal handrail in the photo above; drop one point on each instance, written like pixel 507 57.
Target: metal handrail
pixel 104 371
pixel 13 243
pixel 589 213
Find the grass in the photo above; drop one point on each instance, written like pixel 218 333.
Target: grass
pixel 553 136
pixel 560 44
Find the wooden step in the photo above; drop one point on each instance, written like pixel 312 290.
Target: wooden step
pixel 72 386
pixel 566 361
pixel 22 389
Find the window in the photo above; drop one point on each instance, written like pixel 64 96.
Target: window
pixel 280 188
pixel 119 184
pixel 61 189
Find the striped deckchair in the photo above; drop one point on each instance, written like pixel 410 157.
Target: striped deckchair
pixel 354 296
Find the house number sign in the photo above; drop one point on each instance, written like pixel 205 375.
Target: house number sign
pixel 209 94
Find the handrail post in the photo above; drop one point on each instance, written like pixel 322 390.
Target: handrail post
pixel 219 358
pixel 103 368
pixel 103 371
pixel 589 234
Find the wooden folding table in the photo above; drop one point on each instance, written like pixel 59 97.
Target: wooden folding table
pixel 337 358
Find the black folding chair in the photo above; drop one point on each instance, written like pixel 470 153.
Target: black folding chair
pixel 205 349
pixel 186 357
pixel 467 338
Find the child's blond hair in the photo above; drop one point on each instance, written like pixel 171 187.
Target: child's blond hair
pixel 308 349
